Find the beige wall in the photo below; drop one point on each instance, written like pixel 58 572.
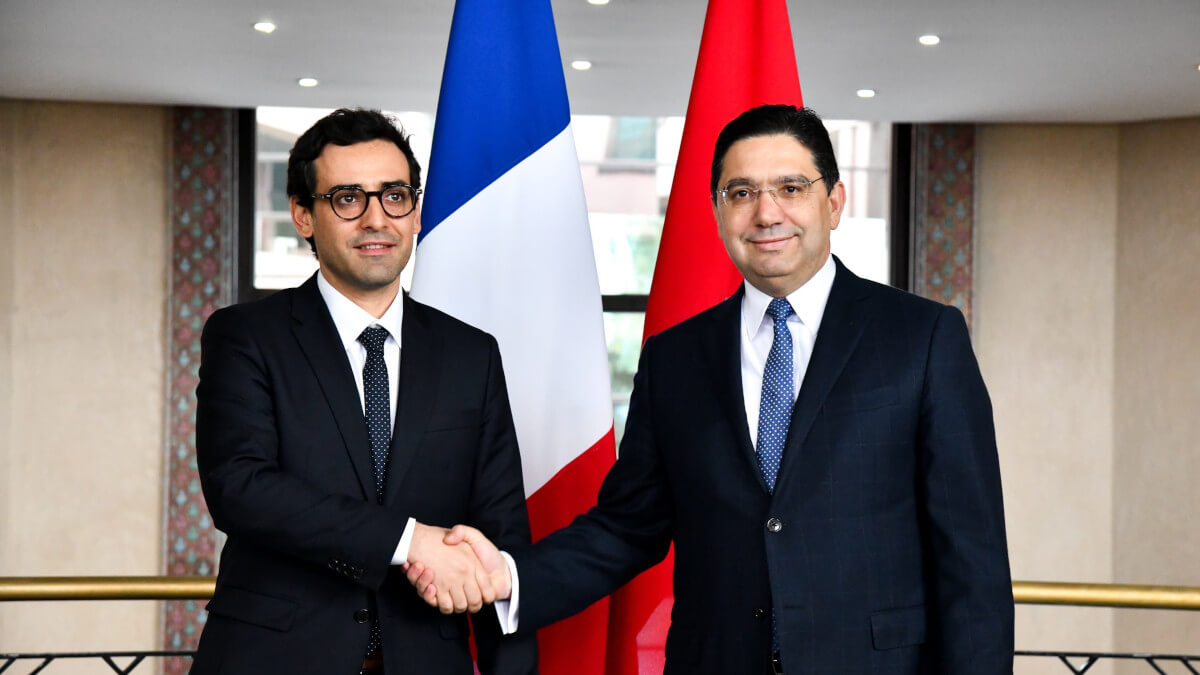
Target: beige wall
pixel 84 250
pixel 6 311
pixel 1046 224
pixel 1157 497
pixel 1087 297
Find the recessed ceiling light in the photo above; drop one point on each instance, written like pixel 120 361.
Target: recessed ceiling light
pixel 308 82
pixel 264 27
pixel 581 64
pixel 597 2
pixel 866 93
pixel 929 40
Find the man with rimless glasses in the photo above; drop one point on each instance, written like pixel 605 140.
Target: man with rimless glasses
pixel 338 424
pixel 818 447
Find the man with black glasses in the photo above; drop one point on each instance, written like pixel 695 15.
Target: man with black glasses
pixel 818 447
pixel 334 421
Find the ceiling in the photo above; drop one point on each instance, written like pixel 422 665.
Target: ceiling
pixel 999 60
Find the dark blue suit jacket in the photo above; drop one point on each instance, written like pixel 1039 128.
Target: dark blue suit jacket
pixel 285 464
pixel 889 554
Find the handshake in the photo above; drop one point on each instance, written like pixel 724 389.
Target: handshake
pixel 456 570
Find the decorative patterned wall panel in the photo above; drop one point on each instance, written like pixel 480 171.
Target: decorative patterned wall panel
pixel 944 213
pixel 202 197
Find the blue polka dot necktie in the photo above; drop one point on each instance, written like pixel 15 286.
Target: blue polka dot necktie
pixel 378 411
pixel 378 402
pixel 775 407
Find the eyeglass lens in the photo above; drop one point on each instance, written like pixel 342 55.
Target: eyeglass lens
pixel 397 201
pixel 784 193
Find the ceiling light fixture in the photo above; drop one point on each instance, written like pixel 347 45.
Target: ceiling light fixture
pixel 264 27
pixel 308 82
pixel 597 2
pixel 581 64
pixel 866 93
pixel 929 40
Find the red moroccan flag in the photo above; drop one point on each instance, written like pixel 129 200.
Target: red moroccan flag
pixel 746 59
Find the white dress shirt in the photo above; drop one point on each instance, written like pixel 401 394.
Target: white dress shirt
pixel 757 334
pixel 350 321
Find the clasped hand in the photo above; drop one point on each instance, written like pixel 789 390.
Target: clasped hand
pixel 456 570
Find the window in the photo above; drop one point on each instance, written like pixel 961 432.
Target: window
pixel 627 165
pixel 861 241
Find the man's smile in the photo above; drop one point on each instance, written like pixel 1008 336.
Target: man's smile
pixel 374 247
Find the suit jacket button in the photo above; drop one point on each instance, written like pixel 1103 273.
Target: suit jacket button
pixel 362 615
pixel 760 613
pixel 774 525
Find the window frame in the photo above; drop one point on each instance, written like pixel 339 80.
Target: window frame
pixel 246 125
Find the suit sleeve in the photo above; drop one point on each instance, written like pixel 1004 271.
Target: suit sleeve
pixel 248 495
pixel 498 511
pixel 972 619
pixel 627 531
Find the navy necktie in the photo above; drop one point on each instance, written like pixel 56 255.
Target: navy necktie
pixel 775 407
pixel 378 412
pixel 377 395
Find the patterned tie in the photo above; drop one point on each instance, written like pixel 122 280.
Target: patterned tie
pixel 775 407
pixel 378 402
pixel 379 428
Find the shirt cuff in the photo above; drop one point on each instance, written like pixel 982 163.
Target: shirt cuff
pixel 401 555
pixel 506 610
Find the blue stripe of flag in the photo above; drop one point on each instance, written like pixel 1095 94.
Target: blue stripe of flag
pixel 503 96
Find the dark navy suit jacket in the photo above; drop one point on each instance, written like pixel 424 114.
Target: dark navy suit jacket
pixel 882 549
pixel 285 465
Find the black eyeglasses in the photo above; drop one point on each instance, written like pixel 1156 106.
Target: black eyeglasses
pixel 349 203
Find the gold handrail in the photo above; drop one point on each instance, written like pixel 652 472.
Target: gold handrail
pixel 201 588
pixel 1106 595
pixel 106 588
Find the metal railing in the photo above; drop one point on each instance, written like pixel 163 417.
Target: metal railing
pixel 110 659
pixel 1105 595
pixel 199 588
pixel 106 588
pixel 1088 659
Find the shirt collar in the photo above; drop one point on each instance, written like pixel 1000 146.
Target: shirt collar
pixel 808 301
pixel 351 320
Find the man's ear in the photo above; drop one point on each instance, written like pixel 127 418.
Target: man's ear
pixel 837 202
pixel 302 218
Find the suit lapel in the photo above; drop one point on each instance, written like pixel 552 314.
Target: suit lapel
pixel 841 327
pixel 420 378
pixel 725 358
pixel 314 330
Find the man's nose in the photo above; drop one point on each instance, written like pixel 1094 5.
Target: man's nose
pixel 374 217
pixel 767 210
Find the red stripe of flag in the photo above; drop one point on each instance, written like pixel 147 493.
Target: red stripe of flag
pixel 577 644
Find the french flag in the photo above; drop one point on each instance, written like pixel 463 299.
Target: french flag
pixel 505 246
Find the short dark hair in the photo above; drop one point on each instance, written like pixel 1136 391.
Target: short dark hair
pixel 344 126
pixel 802 124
